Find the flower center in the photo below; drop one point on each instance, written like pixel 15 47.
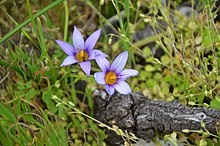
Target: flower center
pixel 110 78
pixel 82 56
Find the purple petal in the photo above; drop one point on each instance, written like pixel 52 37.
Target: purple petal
pixel 122 87
pixel 110 89
pixel 100 78
pixel 126 73
pixel 78 41
pixel 69 60
pixel 92 39
pixel 66 47
pixel 96 53
pixel 103 63
pixel 91 56
pixel 86 67
pixel 99 53
pixel 119 63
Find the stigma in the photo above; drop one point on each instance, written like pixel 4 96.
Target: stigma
pixel 110 78
pixel 82 56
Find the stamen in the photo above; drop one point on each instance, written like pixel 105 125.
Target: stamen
pixel 110 78
pixel 82 56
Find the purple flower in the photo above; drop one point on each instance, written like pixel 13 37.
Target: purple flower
pixel 81 51
pixel 113 76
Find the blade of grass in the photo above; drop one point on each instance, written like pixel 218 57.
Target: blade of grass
pixel 16 59
pixel 66 20
pixel 89 97
pixel 115 4
pixel 127 30
pixel 38 31
pixel 3 136
pixel 32 17
pixel 20 26
pixel 127 14
pixel 41 40
pixel 73 91
pixel 24 137
pixel 16 23
pixel 7 113
pixel 16 69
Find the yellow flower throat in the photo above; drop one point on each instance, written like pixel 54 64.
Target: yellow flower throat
pixel 110 78
pixel 82 56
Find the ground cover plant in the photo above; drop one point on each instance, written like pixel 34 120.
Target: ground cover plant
pixel 46 96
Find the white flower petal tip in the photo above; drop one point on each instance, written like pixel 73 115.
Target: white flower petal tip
pixel 100 78
pixel 68 61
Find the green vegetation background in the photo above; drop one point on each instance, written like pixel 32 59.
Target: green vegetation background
pixel 44 104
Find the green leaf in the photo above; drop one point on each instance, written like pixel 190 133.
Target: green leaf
pixel 151 83
pixel 3 136
pixel 7 113
pixel 31 67
pixel 19 71
pixel 31 93
pixel 5 64
pixel 149 68
pixel 62 113
pixel 207 40
pixel 215 103
pixel 17 110
pixel 202 142
pixel 47 98
pixel 42 40
pixel 61 131
pixel 29 84
pixel 147 51
pixel 165 59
